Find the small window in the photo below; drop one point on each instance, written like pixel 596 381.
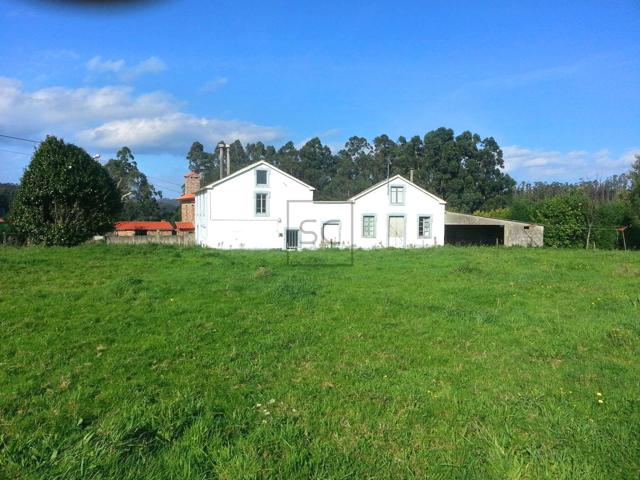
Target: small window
pixel 261 203
pixel 261 177
pixel 368 226
pixel 292 238
pixel 397 195
pixel 424 226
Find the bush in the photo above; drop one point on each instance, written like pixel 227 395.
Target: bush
pixel 564 220
pixel 609 216
pixel 64 197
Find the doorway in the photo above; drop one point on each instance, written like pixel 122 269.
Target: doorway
pixel 397 231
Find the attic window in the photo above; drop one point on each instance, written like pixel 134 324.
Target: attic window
pixel 396 194
pixel 261 177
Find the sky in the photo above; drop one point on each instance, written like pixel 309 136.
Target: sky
pixel 555 83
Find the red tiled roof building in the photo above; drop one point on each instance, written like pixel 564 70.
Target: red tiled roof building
pixel 131 228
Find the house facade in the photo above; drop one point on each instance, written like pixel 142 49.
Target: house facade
pixel 262 207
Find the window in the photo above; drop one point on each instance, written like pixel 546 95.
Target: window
pixel 292 238
pixel 368 226
pixel 424 226
pixel 261 204
pixel 261 177
pixel 397 195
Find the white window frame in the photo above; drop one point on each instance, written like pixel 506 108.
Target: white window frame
pixel 266 204
pixel 262 185
pixel 401 189
pixel 430 217
pixel 375 225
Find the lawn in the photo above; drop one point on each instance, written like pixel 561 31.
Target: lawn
pixel 136 362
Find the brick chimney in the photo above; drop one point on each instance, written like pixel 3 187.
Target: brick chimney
pixel 188 200
pixel 191 182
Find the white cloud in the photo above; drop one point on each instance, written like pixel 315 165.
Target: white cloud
pixel 213 85
pixel 150 65
pixel 97 64
pixel 170 132
pixel 107 118
pixel 536 164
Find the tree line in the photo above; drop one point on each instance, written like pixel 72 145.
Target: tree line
pixel 65 196
pixel 588 214
pixel 465 169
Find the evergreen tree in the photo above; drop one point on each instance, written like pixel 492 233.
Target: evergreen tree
pixel 64 197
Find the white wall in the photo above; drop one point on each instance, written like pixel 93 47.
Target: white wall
pixel 416 203
pixel 311 217
pixel 225 214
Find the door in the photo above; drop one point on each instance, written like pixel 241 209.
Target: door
pixel 331 233
pixel 396 231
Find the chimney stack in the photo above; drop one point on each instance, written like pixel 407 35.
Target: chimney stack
pixel 411 175
pixel 187 200
pixel 224 151
pixel 192 182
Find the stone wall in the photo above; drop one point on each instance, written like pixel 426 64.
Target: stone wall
pixel 184 240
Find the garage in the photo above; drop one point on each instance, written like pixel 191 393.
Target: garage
pixel 474 234
pixel 464 229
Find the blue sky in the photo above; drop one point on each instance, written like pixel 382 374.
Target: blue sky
pixel 556 83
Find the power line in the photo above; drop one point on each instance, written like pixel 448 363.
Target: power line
pixel 11 151
pixel 19 138
pixel 164 181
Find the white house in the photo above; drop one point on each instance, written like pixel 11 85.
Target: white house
pixel 262 207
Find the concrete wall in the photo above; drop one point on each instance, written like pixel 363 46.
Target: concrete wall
pixel 515 233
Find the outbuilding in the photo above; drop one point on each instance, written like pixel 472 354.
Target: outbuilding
pixel 464 229
pixel 137 228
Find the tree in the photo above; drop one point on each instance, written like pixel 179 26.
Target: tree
pixel 7 192
pixel 139 197
pixel 203 162
pixel 466 170
pixel 317 165
pixel 64 197
pixel 634 191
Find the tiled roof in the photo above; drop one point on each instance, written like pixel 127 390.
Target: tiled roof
pixel 186 196
pixel 138 225
pixel 185 226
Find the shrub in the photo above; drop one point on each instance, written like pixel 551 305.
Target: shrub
pixel 609 216
pixel 64 197
pixel 564 220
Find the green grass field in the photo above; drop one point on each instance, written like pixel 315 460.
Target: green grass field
pixel 136 362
